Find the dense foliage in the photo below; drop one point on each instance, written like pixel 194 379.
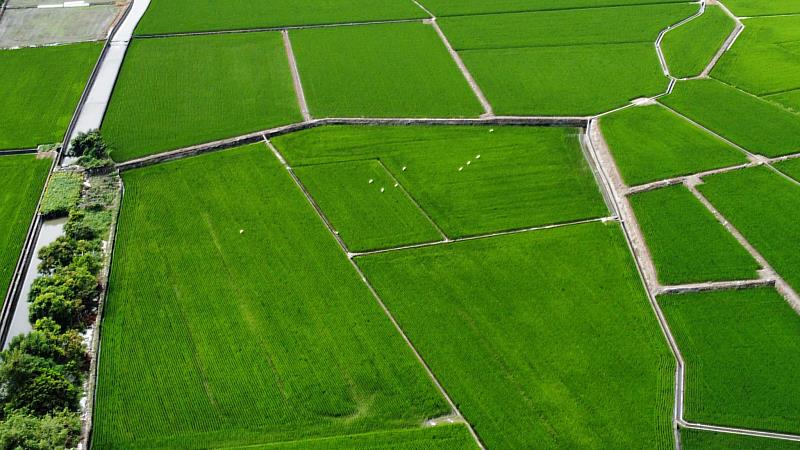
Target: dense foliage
pixel 61 195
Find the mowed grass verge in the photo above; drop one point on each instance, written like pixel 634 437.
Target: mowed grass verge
pixel 689 48
pixel 576 80
pixel 366 206
pixel 755 124
pixel 40 92
pixel 687 243
pixel 387 70
pixel 470 180
pixel 177 16
pixel 233 318
pixel 742 351
pixel 180 91
pixel 704 440
pixel 22 178
pixel 651 143
pixel 544 339
pixel 764 207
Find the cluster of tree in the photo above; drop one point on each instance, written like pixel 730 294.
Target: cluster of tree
pixel 42 372
pixel 92 150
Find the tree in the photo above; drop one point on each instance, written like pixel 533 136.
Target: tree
pixel 49 391
pixel 23 431
pixel 72 282
pixel 64 251
pixel 67 313
pixel 76 227
pixel 90 145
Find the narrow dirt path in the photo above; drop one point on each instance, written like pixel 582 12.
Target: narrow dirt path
pixel 298 85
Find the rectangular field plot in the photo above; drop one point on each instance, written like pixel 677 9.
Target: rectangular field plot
pixel 640 23
pixel 233 318
pixel 651 143
pixel 475 7
pixel 790 167
pixel 742 353
pixel 705 440
pixel 40 92
pixel 470 180
pixel 177 92
pixel 443 437
pixel 388 70
pixel 766 57
pixel 570 80
pixel 365 204
pixel 21 181
pixel 45 26
pixel 544 339
pixel 687 243
pixel 689 48
pixel 176 16
pixel 757 125
pixel 764 207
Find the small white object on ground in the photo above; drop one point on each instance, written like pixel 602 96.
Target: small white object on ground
pixel 396 184
pixel 404 168
pixel 469 162
pixel 460 169
pixel 382 189
pixel 477 156
pixel 371 180
pixel 491 130
pixel 241 231
pixel 75 4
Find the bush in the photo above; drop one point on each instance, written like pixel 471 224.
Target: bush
pixel 62 194
pixel 35 384
pixel 77 228
pixel 67 313
pixel 23 431
pixel 71 282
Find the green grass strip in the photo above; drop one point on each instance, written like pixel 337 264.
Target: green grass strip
pixel 234 318
pixel 742 351
pixel 764 207
pixel 177 92
pixel 689 48
pixel 21 181
pixel 755 124
pixel 544 339
pixel 62 194
pixel 687 243
pixel 651 143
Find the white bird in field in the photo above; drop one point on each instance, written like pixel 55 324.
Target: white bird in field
pixel 382 189
pixel 469 162
pixel 241 231
pixel 477 156
pixel 404 168
pixel 371 180
pixel 461 168
pixel 396 184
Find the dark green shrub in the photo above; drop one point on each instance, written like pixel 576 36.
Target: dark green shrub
pixel 23 431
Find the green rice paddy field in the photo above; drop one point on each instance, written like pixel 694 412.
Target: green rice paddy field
pixel 704 440
pixel 689 48
pixel 238 345
pixel 177 16
pixel 771 43
pixel 651 143
pixel 21 181
pixel 762 8
pixel 575 80
pixel 388 70
pixel 687 243
pixel 764 207
pixel 742 351
pixel 640 23
pixel 757 125
pixel 40 92
pixel 789 100
pixel 535 353
pixel 474 7
pixel 469 180
pixel 790 167
pixel 159 105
